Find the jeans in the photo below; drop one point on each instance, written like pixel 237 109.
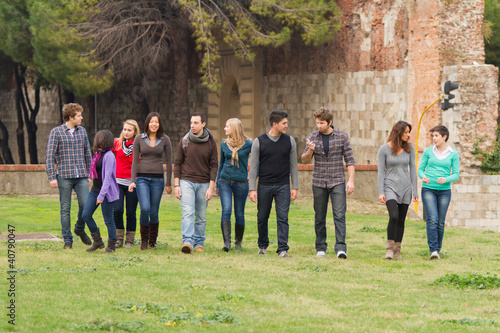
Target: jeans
pixel 265 195
pixel 149 192
pixel 131 202
pixel 337 196
pixel 436 204
pixel 194 212
pixel 107 214
pixel 227 189
pixel 397 217
pixel 66 186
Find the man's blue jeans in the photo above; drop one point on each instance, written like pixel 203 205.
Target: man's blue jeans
pixel 265 196
pixel 227 189
pixel 337 195
pixel 194 212
pixel 436 204
pixel 107 214
pixel 66 186
pixel 129 200
pixel 149 192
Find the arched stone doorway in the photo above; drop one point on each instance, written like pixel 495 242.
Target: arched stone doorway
pixel 239 97
pixel 230 103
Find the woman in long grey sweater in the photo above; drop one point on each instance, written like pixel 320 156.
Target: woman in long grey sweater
pixel 397 184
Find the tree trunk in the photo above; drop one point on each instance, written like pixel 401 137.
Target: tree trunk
pixel 18 71
pixel 180 86
pixel 30 112
pixel 6 156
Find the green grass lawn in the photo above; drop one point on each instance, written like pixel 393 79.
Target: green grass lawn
pixel 161 290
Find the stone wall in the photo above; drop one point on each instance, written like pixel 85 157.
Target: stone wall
pixel 475 203
pixel 473 119
pixel 364 104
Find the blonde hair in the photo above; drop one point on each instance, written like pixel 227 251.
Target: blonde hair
pixel 132 123
pixel 237 134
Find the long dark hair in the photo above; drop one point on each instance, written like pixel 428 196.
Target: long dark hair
pixel 160 131
pixel 103 139
pixel 397 132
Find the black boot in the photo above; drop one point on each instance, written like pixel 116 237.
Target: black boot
pixel 98 243
pixel 239 230
pixel 111 246
pixel 226 234
pixel 144 237
pixel 153 234
pixel 83 236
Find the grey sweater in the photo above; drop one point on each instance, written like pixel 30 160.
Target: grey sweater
pixel 397 177
pixel 149 159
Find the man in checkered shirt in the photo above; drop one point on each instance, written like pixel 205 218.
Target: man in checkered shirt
pixel 67 163
pixel 330 148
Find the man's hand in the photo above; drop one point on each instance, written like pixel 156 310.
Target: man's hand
pixel 216 191
pixel 310 144
pixel 349 188
pixel 293 194
pixel 177 192
pixel 53 183
pixel 209 194
pixel 253 196
pixel 168 188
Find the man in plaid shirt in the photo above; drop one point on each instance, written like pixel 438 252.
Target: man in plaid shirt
pixel 67 163
pixel 330 148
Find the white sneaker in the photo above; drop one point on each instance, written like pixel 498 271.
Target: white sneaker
pixel 341 255
pixel 435 255
pixel 321 254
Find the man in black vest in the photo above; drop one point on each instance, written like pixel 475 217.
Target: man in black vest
pixel 274 160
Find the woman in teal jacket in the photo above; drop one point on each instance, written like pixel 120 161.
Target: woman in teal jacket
pixel 232 180
pixel 438 169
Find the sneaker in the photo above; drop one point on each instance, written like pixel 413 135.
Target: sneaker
pixel 435 255
pixel 68 246
pixel 320 254
pixel 262 251
pixel 341 255
pixel 283 254
pixel 199 249
pixel 186 248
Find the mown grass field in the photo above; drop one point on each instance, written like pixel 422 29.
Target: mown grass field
pixel 60 290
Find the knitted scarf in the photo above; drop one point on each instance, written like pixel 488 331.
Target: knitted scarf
pixel 190 137
pixel 93 164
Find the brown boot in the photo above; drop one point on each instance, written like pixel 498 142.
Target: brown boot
pixel 111 246
pixel 120 233
pixel 144 237
pixel 98 243
pixel 153 235
pixel 397 251
pixel 83 236
pixel 129 239
pixel 389 246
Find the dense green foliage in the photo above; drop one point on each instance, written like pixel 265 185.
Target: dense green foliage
pixel 40 35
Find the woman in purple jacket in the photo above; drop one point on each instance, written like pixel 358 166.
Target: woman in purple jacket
pixel 104 190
